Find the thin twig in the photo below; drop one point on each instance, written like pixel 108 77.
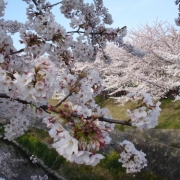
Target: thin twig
pixel 123 122
pixel 59 103
pixel 19 51
pixel 76 31
pixel 54 4
pixel 34 1
pixel 44 107
pixel 127 123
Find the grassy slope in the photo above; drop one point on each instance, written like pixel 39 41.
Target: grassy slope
pixel 170 115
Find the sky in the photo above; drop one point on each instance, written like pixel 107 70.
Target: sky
pixel 130 13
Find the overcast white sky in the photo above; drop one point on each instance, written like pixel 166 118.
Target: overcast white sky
pixel 130 13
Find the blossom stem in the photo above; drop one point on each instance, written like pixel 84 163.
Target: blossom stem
pixel 59 103
pixel 44 107
pixel 123 122
pixel 19 51
pixel 34 1
pixel 54 4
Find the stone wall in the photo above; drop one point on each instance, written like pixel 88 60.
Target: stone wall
pixel 16 165
pixel 162 159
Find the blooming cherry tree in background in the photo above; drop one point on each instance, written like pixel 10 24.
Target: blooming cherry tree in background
pixel 152 65
pixel 47 64
pixel 160 72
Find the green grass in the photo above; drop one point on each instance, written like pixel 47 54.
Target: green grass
pixel 35 141
pixel 1 129
pixel 109 168
pixel 169 116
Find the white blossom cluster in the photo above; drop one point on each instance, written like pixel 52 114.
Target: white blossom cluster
pixel 132 159
pixel 35 177
pixel 146 116
pixel 2 7
pixel 68 6
pixel 76 22
pixel 108 19
pixel 80 148
pixel 16 114
pixel 68 147
pixel 177 20
pixel 35 86
pixel 34 159
pixel 45 24
pixel 85 87
pixel 12 26
pixel 82 50
pixel 16 127
pixel 6 43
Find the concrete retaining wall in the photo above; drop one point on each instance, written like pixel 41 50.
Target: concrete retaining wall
pixel 162 159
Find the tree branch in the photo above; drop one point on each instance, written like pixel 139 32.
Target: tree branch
pixel 59 103
pixel 34 1
pixel 75 32
pixel 44 107
pixel 54 4
pixel 127 123
pixel 123 122
pixel 19 51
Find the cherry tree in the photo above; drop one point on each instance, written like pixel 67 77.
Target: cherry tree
pixel 177 20
pixel 30 76
pixel 149 62
pixel 117 66
pixel 160 69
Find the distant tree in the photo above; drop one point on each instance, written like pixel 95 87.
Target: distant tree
pixel 152 65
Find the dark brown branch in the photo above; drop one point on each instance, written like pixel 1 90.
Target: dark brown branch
pixel 127 123
pixel 76 32
pixel 123 122
pixel 59 103
pixel 44 107
pixel 34 1
pixel 19 51
pixel 93 33
pixel 54 4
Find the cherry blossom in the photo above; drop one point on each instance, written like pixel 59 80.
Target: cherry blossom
pixel 132 159
pixel 34 159
pixel 146 116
